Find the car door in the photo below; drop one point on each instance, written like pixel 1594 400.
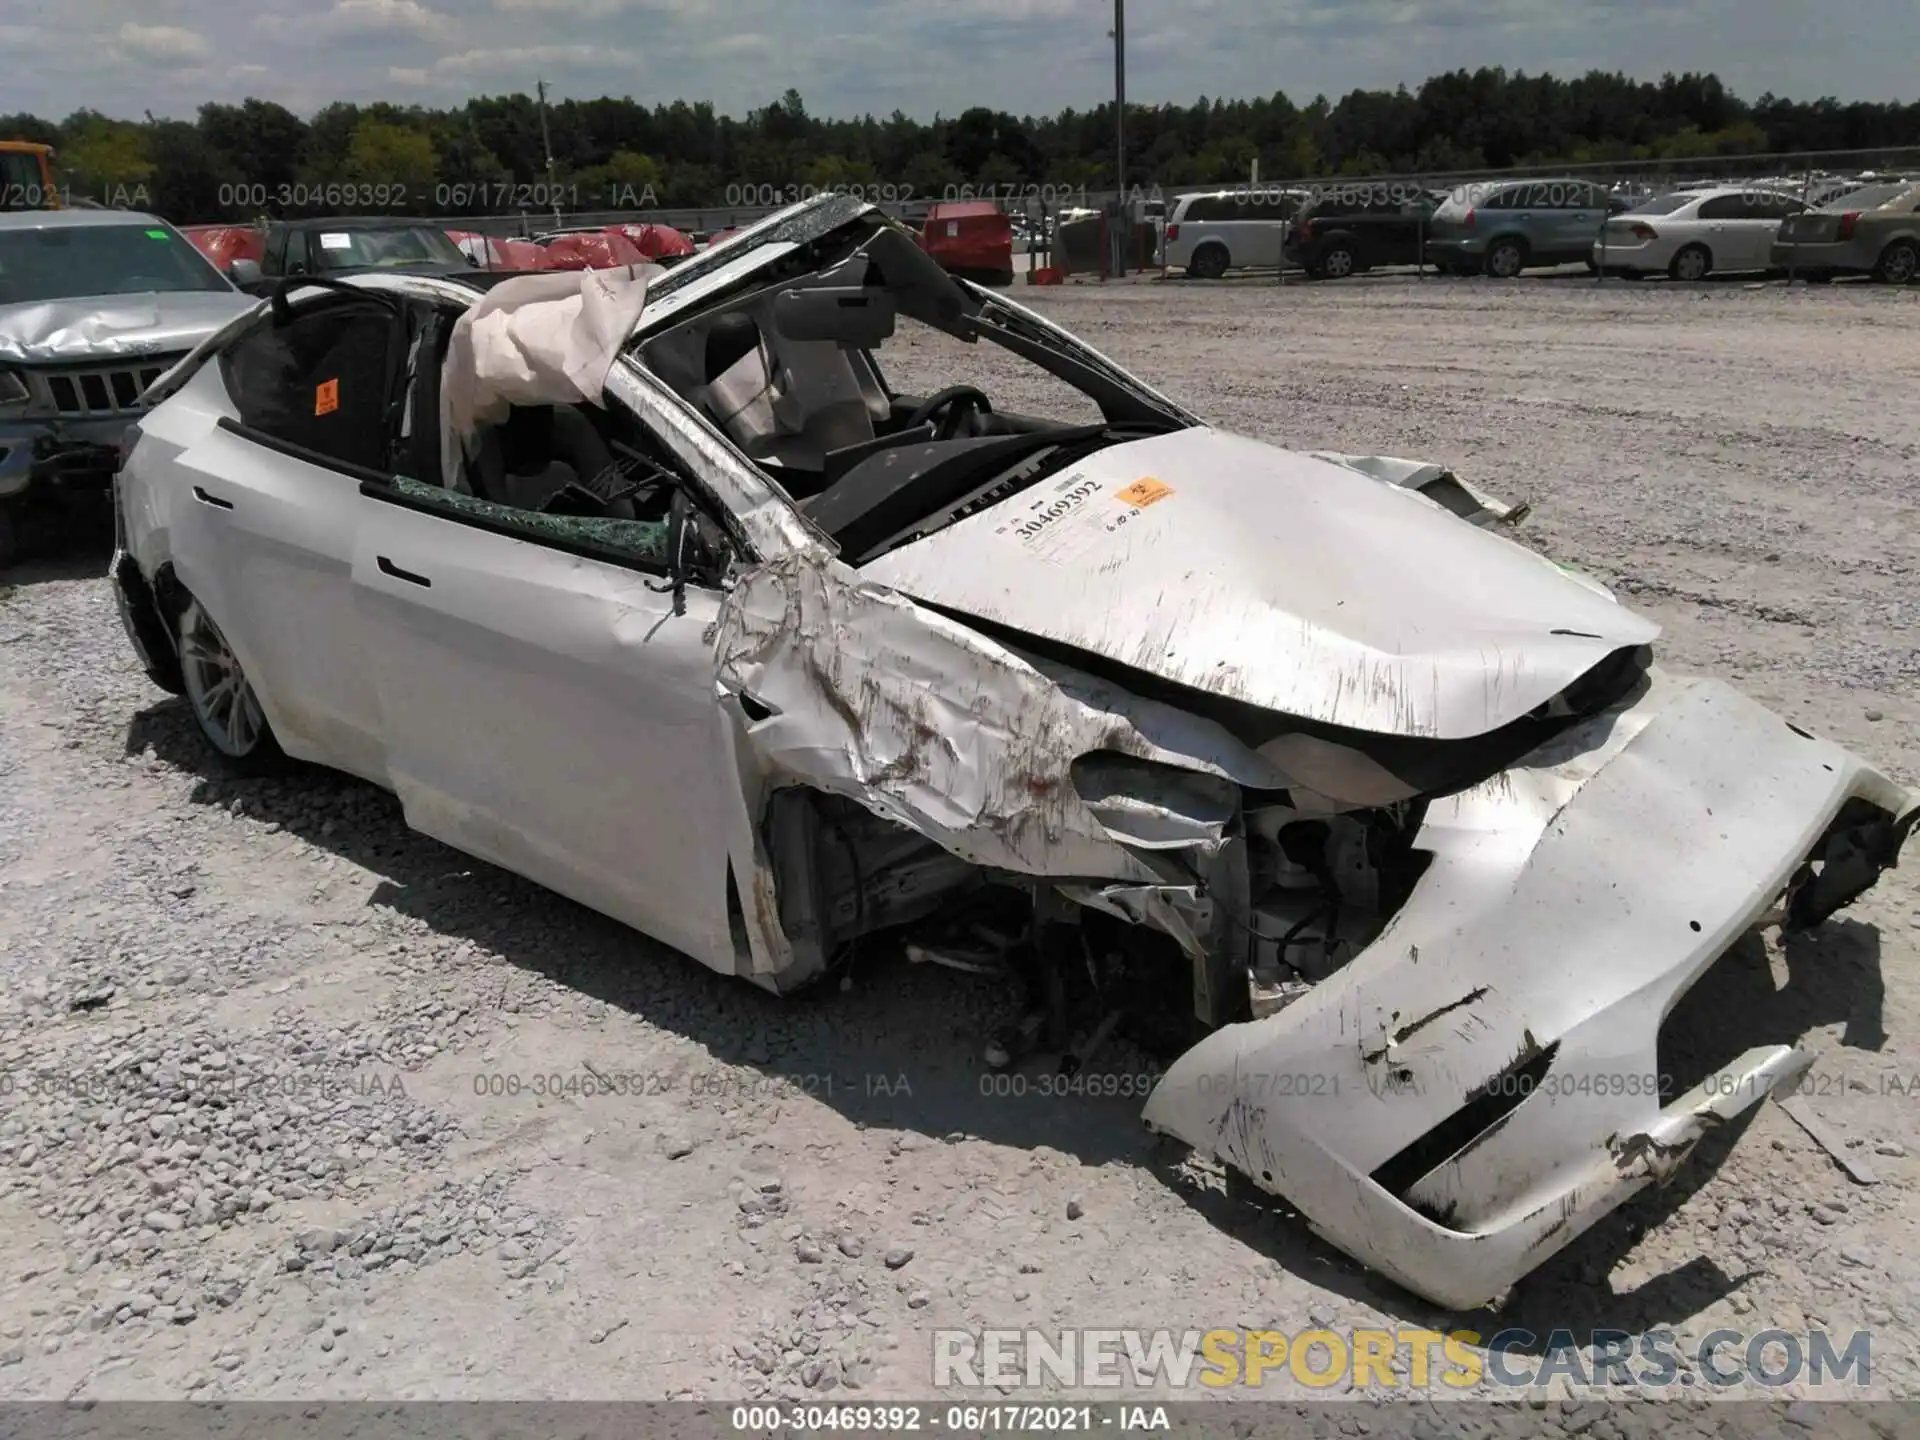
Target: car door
pixel 263 534
pixel 548 705
pixel 1723 231
pixel 1579 211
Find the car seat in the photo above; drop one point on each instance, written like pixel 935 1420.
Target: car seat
pixel 540 450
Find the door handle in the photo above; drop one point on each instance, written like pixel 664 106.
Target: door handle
pixel 214 500
pixel 387 567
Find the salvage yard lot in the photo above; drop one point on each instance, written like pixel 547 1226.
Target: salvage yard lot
pixel 484 1143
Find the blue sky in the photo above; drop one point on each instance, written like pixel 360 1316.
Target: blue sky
pixel 847 57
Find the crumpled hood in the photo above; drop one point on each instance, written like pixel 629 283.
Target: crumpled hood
pixel 107 327
pixel 1273 578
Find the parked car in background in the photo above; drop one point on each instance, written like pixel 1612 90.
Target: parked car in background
pixel 95 305
pixel 1692 234
pixel 662 244
pixel 235 250
pixel 496 252
pixel 1210 233
pixel 1503 227
pixel 1874 231
pixel 597 248
pixel 1357 229
pixel 972 238
pixel 347 245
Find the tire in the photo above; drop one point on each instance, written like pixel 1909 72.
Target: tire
pixel 1898 264
pixel 1506 259
pixel 9 537
pixel 1338 262
pixel 1694 262
pixel 1209 262
pixel 221 698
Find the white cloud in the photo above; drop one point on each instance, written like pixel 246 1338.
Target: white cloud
pixel 162 42
pixel 581 9
pixel 515 62
pixel 385 17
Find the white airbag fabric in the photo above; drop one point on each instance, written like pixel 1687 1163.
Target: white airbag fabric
pixel 534 340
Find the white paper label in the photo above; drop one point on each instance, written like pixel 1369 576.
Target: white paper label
pixel 1072 516
pixel 334 240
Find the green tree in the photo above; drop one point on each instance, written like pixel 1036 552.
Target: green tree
pixel 392 160
pixel 106 159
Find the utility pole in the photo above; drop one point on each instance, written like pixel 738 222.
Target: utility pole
pixel 546 144
pixel 1120 93
pixel 1122 213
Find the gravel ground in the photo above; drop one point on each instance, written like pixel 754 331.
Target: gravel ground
pixel 291 1098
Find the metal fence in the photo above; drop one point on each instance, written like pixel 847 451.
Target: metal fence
pixel 1036 201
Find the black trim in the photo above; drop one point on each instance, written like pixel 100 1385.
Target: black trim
pixel 387 567
pixel 383 490
pixel 301 452
pixel 214 500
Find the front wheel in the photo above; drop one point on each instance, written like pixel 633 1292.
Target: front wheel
pixel 1337 263
pixel 221 696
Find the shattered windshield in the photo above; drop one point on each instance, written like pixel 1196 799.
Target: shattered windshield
pixel 62 262
pixel 884 397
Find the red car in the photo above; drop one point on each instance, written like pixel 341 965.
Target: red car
pixel 224 244
pixel 971 238
pixel 591 250
pixel 661 244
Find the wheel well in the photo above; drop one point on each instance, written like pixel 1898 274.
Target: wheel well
pixel 1519 242
pixel 1205 246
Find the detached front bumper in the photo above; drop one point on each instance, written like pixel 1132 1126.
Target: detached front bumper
pixel 1481 1084
pixel 72 455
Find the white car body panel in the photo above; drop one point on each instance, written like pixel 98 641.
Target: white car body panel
pixel 1484 966
pixel 565 717
pixel 1248 555
pixel 1735 245
pixel 550 713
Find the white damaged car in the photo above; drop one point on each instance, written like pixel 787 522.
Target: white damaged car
pixel 1303 748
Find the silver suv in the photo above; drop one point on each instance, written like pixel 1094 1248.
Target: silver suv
pixel 1501 227
pixel 94 306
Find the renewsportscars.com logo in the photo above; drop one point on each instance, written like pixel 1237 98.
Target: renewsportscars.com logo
pixel 1402 1359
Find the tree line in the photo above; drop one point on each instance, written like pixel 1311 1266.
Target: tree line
pixel 487 155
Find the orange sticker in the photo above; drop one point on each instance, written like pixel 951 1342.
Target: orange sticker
pixel 1143 492
pixel 326 397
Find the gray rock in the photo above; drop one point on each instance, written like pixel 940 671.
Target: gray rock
pixel 898 1256
pixel 1075 1209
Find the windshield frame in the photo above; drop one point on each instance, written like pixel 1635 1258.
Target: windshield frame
pixel 199 275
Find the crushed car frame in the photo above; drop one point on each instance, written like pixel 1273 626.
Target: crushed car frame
pixel 560 557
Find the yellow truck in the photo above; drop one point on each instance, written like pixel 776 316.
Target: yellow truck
pixel 26 176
